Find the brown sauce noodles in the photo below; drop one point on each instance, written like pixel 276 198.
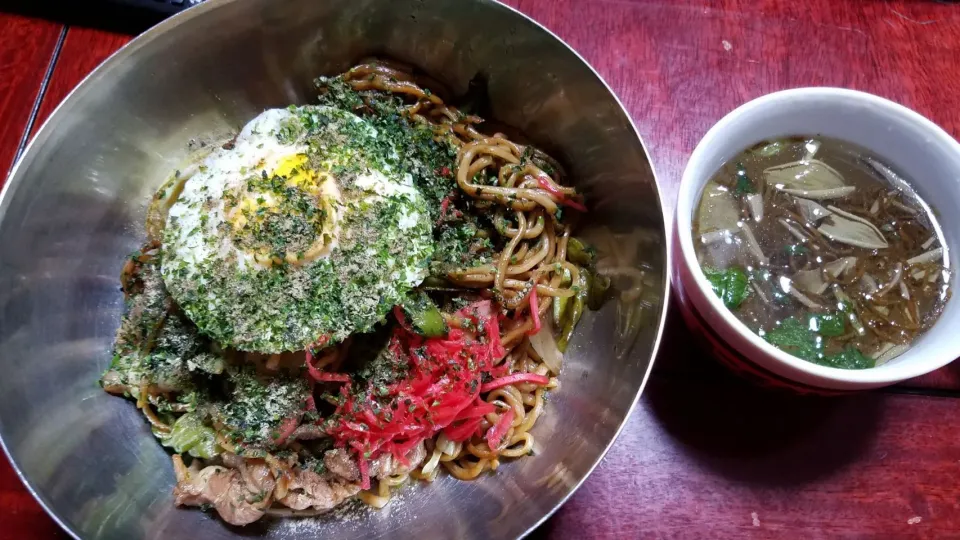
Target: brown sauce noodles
pixel 535 256
pixel 524 203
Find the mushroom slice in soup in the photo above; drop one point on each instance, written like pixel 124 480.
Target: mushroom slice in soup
pixel 811 211
pixel 930 256
pixel 887 174
pixel 868 284
pixel 895 280
pixel 752 245
pixel 797 233
pixel 718 210
pixel 810 148
pixel 840 266
pixel 812 179
pixel 852 230
pixel 800 297
pixel 812 281
pixel 713 237
pixel 888 351
pixel 755 204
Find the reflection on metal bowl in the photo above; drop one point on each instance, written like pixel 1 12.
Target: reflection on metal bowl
pixel 74 208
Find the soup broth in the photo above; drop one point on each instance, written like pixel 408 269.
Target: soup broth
pixel 823 251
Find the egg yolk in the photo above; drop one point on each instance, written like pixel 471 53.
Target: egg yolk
pixel 287 216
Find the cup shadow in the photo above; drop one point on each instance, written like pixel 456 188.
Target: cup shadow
pixel 747 433
pixel 763 437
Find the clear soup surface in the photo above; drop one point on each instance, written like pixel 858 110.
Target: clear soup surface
pixel 823 250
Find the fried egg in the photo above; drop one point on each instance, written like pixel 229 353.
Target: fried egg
pixel 302 229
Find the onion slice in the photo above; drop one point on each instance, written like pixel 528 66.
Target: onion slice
pixel 546 346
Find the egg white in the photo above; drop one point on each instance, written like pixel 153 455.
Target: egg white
pixel 242 293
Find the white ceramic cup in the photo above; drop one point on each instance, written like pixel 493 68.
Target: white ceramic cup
pixel 912 145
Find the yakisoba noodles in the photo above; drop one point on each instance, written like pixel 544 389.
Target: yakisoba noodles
pixel 349 295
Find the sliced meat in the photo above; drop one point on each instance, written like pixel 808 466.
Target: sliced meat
pixel 258 477
pixel 308 432
pixel 112 382
pixel 256 473
pixel 340 463
pixel 223 488
pixel 308 489
pixel 231 460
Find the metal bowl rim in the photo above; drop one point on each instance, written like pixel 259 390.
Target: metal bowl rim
pixel 129 50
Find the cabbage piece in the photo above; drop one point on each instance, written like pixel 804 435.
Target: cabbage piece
pixel 189 435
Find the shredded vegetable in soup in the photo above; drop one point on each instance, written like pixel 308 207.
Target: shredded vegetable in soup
pixel 823 250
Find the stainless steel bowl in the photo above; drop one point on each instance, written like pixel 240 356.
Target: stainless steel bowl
pixel 74 206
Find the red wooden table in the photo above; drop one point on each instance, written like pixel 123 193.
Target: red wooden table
pixel 704 455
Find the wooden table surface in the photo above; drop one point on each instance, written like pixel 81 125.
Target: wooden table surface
pixel 704 455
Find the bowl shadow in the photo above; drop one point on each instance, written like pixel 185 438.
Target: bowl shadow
pixel 758 439
pixel 741 433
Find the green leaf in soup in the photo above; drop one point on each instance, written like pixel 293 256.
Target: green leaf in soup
pixel 729 284
pixel 827 324
pixel 795 249
pixel 796 338
pixel 850 358
pixel 803 338
pixel 744 184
